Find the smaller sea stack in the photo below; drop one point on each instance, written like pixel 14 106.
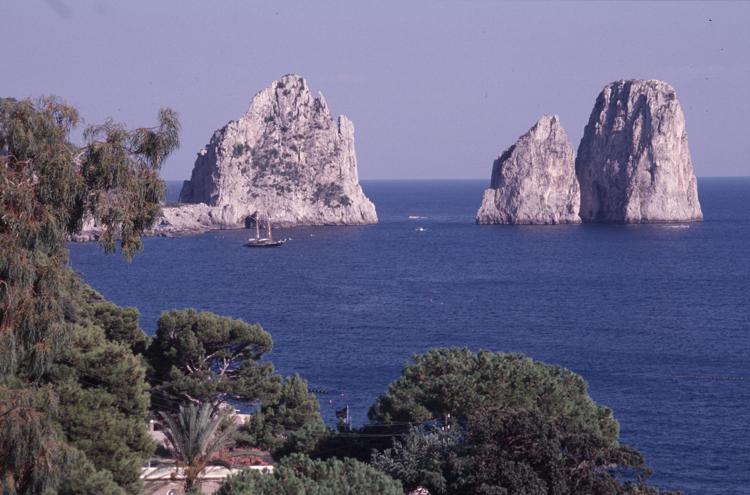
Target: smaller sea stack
pixel 534 181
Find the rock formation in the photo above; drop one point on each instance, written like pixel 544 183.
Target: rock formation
pixel 633 162
pixel 533 181
pixel 286 159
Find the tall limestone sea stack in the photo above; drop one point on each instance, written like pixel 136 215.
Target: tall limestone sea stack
pixel 534 181
pixel 633 162
pixel 285 160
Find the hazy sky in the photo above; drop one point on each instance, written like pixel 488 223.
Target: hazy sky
pixel 436 89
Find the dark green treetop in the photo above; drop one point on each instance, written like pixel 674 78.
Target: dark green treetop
pixel 120 324
pixel 286 422
pixel 522 451
pixel 103 400
pixel 423 458
pixel 516 426
pixel 458 382
pixel 206 358
pixel 299 474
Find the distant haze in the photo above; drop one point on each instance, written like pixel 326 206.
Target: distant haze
pixel 435 89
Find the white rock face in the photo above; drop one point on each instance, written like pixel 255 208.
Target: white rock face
pixel 286 159
pixel 534 181
pixel 633 162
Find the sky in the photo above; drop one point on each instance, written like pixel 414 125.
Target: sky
pixel 436 89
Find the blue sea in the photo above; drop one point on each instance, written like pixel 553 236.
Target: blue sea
pixel 655 317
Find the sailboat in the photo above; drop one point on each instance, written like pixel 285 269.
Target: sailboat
pixel 259 241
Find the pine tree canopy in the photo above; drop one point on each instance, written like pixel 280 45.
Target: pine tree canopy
pixel 299 474
pixel 203 358
pixel 502 423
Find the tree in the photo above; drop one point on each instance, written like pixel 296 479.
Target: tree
pixel 196 434
pixel 206 358
pixel 31 448
pixel 47 186
pixel 49 340
pixel 297 474
pixel 457 382
pixel 81 477
pixel 423 458
pixel 288 422
pixel 518 427
pixel 103 400
pixel 521 451
pixel 119 324
pixel 34 455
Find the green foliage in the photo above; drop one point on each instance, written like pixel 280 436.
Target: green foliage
pixel 512 452
pixel 51 337
pixel 517 427
pixel 521 451
pixel 80 477
pixel 119 324
pixel 196 434
pixel 31 448
pixel 288 422
pixel 34 457
pixel 423 458
pixel 297 474
pixel 104 403
pixel 206 358
pixel 458 382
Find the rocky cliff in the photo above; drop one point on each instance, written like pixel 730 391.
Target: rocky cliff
pixel 534 181
pixel 633 162
pixel 286 159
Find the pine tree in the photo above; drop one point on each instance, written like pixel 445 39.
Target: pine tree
pixel 299 474
pixel 287 422
pixel 503 423
pixel 203 358
pixel 200 357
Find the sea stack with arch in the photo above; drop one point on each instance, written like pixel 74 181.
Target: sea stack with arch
pixel 286 159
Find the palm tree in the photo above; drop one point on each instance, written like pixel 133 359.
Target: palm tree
pixel 196 434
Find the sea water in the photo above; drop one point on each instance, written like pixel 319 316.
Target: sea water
pixel 655 317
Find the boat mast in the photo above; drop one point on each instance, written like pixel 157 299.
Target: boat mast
pixel 269 229
pixel 257 226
